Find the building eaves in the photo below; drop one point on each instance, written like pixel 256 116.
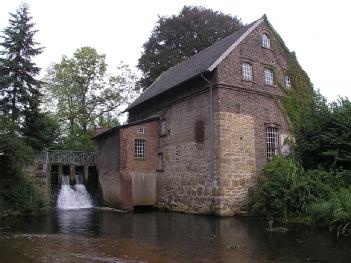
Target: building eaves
pixel 205 61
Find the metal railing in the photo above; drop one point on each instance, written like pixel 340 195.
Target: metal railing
pixel 65 157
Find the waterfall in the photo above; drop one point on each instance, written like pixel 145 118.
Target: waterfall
pixel 73 198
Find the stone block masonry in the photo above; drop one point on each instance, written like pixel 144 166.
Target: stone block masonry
pixel 235 161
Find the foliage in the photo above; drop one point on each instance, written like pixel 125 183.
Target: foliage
pixel 286 190
pixel 19 116
pixel 82 91
pixel 107 121
pixel 334 212
pixel 181 36
pixel 18 86
pixel 18 194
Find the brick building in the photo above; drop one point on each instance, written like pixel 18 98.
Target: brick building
pixel 197 138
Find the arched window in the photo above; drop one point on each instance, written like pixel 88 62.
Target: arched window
pixel 246 70
pixel 266 42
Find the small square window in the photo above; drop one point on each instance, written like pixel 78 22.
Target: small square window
pixel 246 69
pixel 268 77
pixel 139 148
pixel 287 82
pixel 141 130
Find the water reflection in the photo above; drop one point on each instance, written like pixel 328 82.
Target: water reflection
pixel 75 221
pixel 91 235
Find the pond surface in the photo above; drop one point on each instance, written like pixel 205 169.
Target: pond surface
pixel 93 235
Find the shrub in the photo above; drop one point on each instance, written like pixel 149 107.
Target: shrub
pixel 285 190
pixel 334 212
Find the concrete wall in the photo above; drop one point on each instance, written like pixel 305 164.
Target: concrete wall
pixel 108 165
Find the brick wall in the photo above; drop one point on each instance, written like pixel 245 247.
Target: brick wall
pixel 253 98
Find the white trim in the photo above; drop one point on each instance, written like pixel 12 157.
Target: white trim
pixel 236 43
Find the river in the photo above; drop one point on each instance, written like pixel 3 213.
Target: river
pixel 95 235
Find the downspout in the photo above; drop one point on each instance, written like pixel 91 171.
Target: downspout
pixel 211 126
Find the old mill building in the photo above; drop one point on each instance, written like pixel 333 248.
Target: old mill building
pixel 197 138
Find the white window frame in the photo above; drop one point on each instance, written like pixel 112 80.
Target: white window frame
pixel 246 69
pixel 163 128
pixel 266 41
pixel 268 77
pixel 139 148
pixel 287 81
pixel 272 141
pixel 140 130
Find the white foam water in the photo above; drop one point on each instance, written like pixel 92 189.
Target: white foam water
pixel 73 198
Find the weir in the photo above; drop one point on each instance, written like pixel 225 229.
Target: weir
pixel 56 170
pixel 76 197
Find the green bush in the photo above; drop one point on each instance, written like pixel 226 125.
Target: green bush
pixel 18 194
pixel 334 212
pixel 286 191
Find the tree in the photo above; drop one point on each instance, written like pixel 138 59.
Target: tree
pixel 82 91
pixel 181 36
pixel 19 89
pixel 18 86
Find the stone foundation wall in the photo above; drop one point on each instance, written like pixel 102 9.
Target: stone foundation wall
pixel 235 161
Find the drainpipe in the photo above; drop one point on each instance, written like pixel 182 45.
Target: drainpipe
pixel 211 126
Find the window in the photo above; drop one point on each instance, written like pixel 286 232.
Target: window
pixel 266 42
pixel 287 82
pixel 268 77
pixel 139 150
pixel 246 69
pixel 272 142
pixel 141 130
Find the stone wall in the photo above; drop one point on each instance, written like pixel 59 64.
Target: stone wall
pixel 185 184
pixel 235 161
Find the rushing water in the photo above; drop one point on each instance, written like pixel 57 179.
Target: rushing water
pixel 73 198
pixel 95 235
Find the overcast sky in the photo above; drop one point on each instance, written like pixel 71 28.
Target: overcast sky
pixel 318 31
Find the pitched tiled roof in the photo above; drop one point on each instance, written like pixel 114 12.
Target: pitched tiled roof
pixel 205 60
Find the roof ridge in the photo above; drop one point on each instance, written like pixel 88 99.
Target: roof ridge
pixel 205 60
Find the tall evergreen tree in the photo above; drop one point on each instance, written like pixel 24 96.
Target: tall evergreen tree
pixel 19 88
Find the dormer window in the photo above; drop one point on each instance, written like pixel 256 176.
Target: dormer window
pixel 266 42
pixel 268 77
pixel 246 70
pixel 287 82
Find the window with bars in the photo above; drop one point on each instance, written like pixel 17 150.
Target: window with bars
pixel 287 82
pixel 272 135
pixel 246 69
pixel 266 42
pixel 268 77
pixel 139 149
